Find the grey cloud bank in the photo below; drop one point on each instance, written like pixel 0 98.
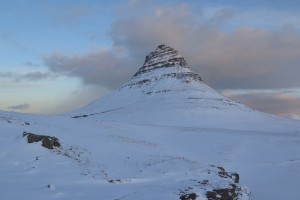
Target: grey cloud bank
pixel 20 107
pixel 31 76
pixel 104 68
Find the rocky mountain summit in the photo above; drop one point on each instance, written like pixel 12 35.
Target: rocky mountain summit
pixel 163 57
pixel 164 62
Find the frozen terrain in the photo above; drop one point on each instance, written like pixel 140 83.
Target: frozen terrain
pixel 162 135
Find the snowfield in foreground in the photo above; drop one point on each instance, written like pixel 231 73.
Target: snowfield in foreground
pixel 163 135
pixel 101 159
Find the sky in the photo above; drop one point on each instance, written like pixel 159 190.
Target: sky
pixel 59 55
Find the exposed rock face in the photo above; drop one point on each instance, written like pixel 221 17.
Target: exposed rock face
pixel 234 176
pixel 48 142
pixel 224 187
pixel 223 194
pixel 164 62
pixel 231 192
pixel 163 57
pixel 191 196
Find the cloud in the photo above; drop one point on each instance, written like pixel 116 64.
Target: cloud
pixel 30 76
pixel 30 64
pixel 6 74
pixel 106 68
pixel 35 76
pixel 245 58
pixel 278 103
pixel 24 106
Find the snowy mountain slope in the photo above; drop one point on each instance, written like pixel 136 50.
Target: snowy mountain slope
pixel 116 160
pixel 101 161
pixel 163 135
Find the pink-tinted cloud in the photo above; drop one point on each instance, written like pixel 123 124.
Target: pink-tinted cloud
pixel 279 103
pixel 245 58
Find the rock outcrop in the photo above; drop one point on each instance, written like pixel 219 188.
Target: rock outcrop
pixel 220 185
pixel 163 57
pixel 165 62
pixel 48 142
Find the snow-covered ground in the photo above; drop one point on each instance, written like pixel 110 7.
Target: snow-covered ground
pixel 164 134
pixel 107 159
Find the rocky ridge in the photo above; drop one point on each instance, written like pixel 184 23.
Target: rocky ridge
pixel 164 56
pixel 168 62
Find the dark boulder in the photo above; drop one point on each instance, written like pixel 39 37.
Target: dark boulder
pixel 223 194
pixel 223 174
pixel 191 196
pixel 231 192
pixel 235 177
pixel 48 142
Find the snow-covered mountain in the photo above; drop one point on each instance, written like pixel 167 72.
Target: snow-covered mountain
pixel 164 134
pixel 166 91
pixel 164 82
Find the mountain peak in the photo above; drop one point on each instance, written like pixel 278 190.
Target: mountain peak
pixel 164 56
pixel 163 65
